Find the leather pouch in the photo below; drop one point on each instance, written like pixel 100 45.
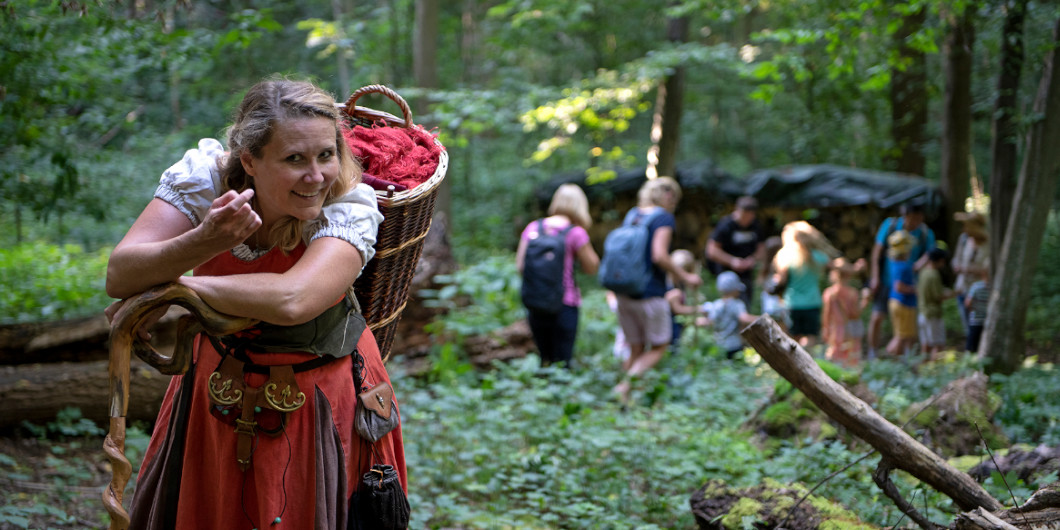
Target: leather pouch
pixel 376 413
pixel 380 503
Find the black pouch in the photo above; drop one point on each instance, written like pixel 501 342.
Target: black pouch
pixel 379 503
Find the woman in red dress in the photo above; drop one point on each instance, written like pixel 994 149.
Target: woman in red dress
pixel 275 229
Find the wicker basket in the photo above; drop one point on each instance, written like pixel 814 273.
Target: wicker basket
pixel 383 287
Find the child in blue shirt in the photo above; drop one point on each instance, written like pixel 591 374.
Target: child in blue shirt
pixel 902 301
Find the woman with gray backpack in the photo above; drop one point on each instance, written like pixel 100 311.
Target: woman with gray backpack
pixel 545 258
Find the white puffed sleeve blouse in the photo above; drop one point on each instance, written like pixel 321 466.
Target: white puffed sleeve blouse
pixel 192 184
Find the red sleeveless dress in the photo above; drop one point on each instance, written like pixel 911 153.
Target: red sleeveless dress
pixel 303 477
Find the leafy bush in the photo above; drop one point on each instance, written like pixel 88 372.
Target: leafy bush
pixel 1030 404
pixel 1042 331
pixel 50 282
pixel 479 298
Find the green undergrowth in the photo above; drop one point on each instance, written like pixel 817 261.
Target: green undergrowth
pixel 42 282
pixel 526 446
pixel 520 445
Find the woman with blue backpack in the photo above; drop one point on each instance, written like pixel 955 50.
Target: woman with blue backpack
pixel 636 261
pixel 545 258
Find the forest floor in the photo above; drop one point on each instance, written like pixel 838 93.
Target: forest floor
pixel 52 484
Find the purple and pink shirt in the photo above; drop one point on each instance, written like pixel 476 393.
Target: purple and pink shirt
pixel 576 237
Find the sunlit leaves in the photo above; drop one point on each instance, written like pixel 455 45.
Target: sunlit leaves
pixel 328 35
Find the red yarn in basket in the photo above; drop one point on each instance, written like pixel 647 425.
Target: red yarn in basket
pixel 405 157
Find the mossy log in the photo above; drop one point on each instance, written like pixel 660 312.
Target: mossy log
pixel 771 504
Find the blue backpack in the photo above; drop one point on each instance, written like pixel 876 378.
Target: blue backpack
pixel 624 268
pixel 542 288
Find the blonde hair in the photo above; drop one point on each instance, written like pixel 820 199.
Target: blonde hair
pixel 569 200
pixel 266 106
pixel 800 239
pixel 654 191
pixel 683 260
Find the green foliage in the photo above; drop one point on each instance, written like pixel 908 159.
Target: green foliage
pixel 480 298
pixel 1042 332
pixel 73 86
pixel 1030 404
pixel 527 446
pixel 69 423
pixel 50 282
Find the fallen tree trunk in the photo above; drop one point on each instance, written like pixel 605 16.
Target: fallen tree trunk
pixel 37 392
pixel 1041 511
pixel 896 446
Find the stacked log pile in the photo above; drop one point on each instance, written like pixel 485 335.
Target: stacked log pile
pixel 851 229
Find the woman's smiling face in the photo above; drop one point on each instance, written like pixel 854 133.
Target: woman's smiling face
pixel 296 169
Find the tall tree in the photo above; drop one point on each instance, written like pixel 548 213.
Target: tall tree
pixel 669 104
pixel 1004 147
pixel 425 77
pixel 1003 342
pixel 339 8
pixel 957 111
pixel 425 49
pixel 909 96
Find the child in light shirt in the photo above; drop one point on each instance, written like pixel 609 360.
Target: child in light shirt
pixel 727 315
pixel 841 326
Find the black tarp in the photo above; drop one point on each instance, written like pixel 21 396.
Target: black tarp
pixel 805 186
pixel 823 186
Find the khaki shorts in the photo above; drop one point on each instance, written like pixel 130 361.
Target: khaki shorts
pixel 903 319
pixel 645 321
pixel 932 331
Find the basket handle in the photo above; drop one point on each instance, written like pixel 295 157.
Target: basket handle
pixel 351 109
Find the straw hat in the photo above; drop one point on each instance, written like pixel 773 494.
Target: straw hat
pixel 900 243
pixel 974 224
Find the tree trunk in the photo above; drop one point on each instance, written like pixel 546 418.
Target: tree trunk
pixel 425 50
pixel 1003 341
pixel 897 448
pixel 37 392
pixel 425 73
pixel 957 115
pixel 1004 142
pixel 669 104
pixel 469 44
pixel 909 99
pixel 338 12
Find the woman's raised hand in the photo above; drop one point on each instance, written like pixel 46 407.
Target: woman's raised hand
pixel 230 221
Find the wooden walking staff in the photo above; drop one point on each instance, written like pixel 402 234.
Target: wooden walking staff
pixel 124 341
pixel 898 449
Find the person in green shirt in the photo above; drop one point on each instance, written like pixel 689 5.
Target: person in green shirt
pixel 800 264
pixel 930 294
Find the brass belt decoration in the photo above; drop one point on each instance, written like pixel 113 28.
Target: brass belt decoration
pixel 330 336
pixel 229 393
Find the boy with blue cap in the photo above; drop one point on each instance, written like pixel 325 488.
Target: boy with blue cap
pixel 728 314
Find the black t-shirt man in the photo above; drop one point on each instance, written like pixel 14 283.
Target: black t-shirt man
pixel 736 244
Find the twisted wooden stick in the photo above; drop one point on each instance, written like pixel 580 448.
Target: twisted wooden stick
pixel 125 339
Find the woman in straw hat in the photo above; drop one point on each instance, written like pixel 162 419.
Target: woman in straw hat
pixel 971 256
